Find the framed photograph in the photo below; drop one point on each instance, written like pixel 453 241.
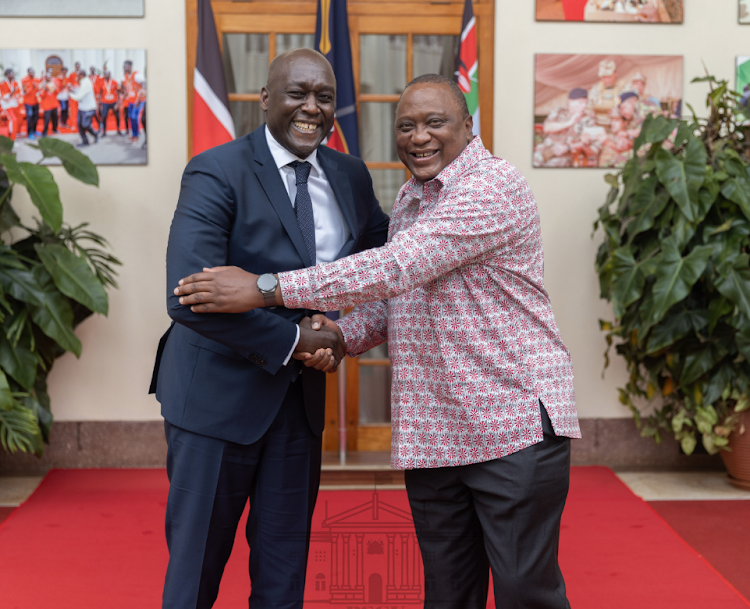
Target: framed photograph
pixel 744 11
pixel 71 8
pixel 623 11
pixel 588 109
pixel 94 99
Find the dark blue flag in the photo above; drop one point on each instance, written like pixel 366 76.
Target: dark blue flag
pixel 332 40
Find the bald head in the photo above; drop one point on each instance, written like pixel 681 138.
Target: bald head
pixel 280 65
pixel 299 100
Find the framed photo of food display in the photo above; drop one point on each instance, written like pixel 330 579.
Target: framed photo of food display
pixel 588 109
pixel 744 11
pixel 94 99
pixel 619 11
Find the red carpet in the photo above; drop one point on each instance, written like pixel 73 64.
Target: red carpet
pixel 94 538
pixel 718 530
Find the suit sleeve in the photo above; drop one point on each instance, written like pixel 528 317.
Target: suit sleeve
pixel 199 238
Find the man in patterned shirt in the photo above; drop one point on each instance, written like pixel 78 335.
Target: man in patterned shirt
pixel 482 396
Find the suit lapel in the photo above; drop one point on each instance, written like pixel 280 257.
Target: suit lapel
pixel 341 187
pixel 270 180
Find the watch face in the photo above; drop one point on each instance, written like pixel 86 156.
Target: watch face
pixel 267 282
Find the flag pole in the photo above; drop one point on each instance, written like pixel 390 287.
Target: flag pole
pixel 342 411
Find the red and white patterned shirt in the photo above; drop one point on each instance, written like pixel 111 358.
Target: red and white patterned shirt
pixel 458 293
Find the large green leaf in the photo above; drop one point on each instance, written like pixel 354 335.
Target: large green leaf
pixel 675 276
pixel 21 285
pixel 647 205
pixel 6 144
pixel 54 316
pixel 42 188
pixel 737 190
pixel 676 327
pixel 73 276
pixel 682 229
pixel 75 162
pixel 655 129
pixel 18 428
pixel 735 285
pixel 18 362
pixel 6 397
pixel 627 280
pixel 683 178
pixel 742 340
pixel 700 362
pixel 8 217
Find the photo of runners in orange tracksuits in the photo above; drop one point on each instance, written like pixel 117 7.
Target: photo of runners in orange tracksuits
pixel 93 98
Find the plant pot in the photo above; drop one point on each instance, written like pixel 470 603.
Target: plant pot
pixel 737 461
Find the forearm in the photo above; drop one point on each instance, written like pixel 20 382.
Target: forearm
pixel 365 327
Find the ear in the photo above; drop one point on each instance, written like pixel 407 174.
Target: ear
pixel 264 99
pixel 469 127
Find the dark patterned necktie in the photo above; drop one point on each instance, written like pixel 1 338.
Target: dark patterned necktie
pixel 303 207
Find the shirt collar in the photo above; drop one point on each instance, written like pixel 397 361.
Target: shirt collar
pixel 282 156
pixel 474 152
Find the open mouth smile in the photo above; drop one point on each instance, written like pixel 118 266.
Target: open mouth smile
pixel 305 127
pixel 424 154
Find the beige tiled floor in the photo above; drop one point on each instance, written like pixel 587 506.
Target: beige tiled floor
pixel 682 486
pixel 14 491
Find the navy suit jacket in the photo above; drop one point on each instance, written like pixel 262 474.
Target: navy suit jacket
pixel 222 374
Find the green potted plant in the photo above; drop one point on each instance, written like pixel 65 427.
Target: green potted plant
pixel 674 263
pixel 51 278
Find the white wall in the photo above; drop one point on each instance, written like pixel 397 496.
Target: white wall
pixel 568 198
pixel 133 206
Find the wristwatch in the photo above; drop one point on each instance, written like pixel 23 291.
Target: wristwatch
pixel 267 284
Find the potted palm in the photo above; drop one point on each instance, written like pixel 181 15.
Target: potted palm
pixel 675 264
pixel 52 277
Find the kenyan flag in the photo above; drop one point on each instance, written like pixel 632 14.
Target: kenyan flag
pixel 467 63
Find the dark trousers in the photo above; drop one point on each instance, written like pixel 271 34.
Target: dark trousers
pixel 502 514
pixel 211 480
pixel 32 118
pixel 64 105
pixel 50 116
pixel 126 118
pixel 84 124
pixel 106 108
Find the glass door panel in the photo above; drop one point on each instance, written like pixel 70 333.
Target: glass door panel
pixel 377 139
pixel 382 68
pixel 287 42
pixel 434 55
pixel 245 58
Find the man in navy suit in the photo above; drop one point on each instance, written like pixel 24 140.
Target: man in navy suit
pixel 243 418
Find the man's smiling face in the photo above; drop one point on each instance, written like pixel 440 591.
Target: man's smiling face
pixel 431 130
pixel 299 101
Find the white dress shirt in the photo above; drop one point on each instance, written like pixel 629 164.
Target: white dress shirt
pixel 84 95
pixel 331 230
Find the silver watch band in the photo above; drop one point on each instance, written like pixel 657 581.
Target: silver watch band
pixel 270 298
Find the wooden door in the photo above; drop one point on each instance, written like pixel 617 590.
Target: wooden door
pixel 392 42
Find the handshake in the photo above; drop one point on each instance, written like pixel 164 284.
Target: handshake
pixel 321 343
pixel 230 289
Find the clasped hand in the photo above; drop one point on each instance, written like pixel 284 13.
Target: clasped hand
pixel 321 343
pixel 230 289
